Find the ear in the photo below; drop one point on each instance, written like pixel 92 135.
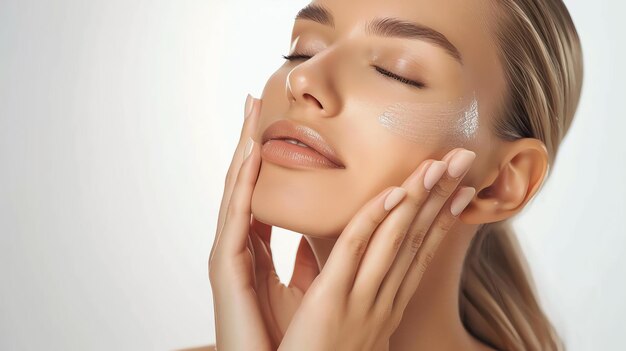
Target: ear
pixel 517 173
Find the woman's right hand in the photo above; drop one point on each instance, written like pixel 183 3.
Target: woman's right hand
pixel 239 324
pixel 252 307
pixel 279 302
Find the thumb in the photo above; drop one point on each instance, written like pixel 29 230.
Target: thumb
pixel 263 230
pixel 264 263
pixel 305 269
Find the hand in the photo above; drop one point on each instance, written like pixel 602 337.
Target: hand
pixel 357 300
pixel 235 276
pixel 238 320
pixel 279 302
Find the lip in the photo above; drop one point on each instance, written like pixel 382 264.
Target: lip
pixel 318 154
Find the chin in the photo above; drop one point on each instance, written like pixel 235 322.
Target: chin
pixel 304 201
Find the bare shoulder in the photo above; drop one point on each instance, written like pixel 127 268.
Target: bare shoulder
pixel 200 348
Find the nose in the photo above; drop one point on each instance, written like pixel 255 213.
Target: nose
pixel 310 86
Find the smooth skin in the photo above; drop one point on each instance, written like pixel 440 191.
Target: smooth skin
pixel 337 92
pixel 368 278
pixel 375 267
pixel 279 301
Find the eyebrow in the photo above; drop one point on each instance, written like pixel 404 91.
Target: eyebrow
pixel 385 27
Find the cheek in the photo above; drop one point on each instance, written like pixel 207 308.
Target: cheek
pixel 321 203
pixel 381 147
pixel 386 160
pixel 312 202
pixel 453 122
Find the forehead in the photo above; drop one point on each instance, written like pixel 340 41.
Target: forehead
pixel 458 20
pixel 464 23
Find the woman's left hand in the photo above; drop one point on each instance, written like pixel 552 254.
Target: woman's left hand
pixel 357 300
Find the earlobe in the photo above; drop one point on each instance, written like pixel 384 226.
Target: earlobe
pixel 513 181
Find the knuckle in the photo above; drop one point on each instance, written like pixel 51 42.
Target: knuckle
pixel 415 203
pixel 395 321
pixel 239 206
pixel 383 312
pixel 443 188
pixel 415 240
pixel 398 239
pixel 445 223
pixel 424 262
pixel 234 211
pixel 357 246
pixel 372 218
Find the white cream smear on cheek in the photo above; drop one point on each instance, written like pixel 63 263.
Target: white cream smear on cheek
pixel 430 122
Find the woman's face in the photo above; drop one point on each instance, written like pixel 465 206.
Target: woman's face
pixel 381 128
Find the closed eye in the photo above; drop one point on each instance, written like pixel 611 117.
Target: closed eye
pixel 399 78
pixel 420 85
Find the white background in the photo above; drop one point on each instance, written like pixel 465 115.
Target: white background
pixel 117 124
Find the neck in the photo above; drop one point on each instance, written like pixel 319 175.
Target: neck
pixel 431 320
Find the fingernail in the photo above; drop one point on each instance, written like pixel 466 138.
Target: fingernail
pixel 248 107
pixel 434 173
pixel 461 200
pixel 460 163
pixel 449 155
pixel 394 198
pixel 248 148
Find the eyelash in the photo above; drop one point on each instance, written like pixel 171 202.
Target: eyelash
pixel 420 85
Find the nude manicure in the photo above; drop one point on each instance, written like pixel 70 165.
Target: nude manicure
pixel 434 173
pixel 248 106
pixel 461 200
pixel 460 163
pixel 394 198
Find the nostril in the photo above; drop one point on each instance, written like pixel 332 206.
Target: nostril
pixel 308 96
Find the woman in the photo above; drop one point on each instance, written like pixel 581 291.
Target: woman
pixel 396 130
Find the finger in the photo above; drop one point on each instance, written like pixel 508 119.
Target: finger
pixel 450 154
pixel 269 290
pixel 261 234
pixel 389 235
pixel 264 264
pixel 384 247
pixel 445 220
pixel 235 231
pixel 263 230
pixel 305 268
pixel 457 166
pixel 343 261
pixel 248 129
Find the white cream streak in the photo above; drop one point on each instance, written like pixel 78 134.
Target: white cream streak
pixel 423 122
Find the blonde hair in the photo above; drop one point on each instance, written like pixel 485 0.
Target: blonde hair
pixel 542 60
